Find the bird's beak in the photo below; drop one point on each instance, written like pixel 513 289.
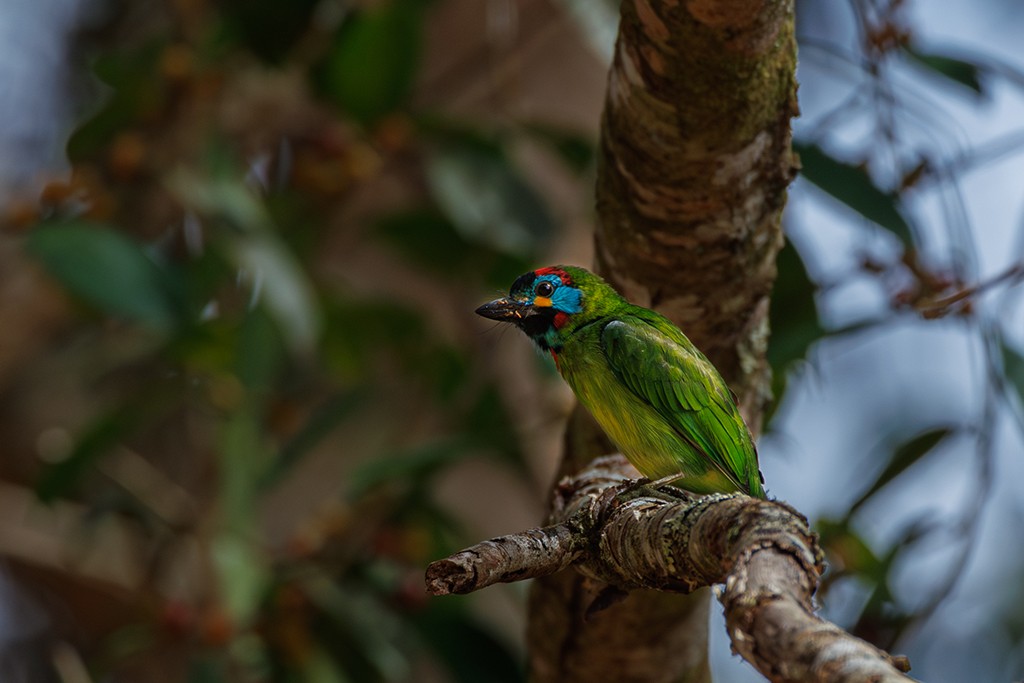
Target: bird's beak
pixel 504 310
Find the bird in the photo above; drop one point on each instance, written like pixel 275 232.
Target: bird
pixel 656 396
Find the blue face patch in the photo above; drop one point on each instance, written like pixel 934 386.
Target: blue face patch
pixel 567 299
pixel 548 291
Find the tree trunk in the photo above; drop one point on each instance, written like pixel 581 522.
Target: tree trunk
pixel 695 161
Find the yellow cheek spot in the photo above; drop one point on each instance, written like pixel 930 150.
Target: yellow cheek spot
pixel 542 302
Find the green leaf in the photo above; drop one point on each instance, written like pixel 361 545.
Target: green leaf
pixel 486 198
pixel 284 288
pixel 222 195
pixel 260 352
pixel 793 313
pixel 851 552
pixel 244 457
pixel 251 243
pixel 108 270
pixel 243 573
pixel 1013 370
pixel 371 65
pixel 902 458
pixel 852 557
pixel 242 567
pixel 956 70
pixel 852 186
pixel 793 318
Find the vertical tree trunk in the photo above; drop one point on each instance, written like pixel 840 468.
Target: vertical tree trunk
pixel 695 161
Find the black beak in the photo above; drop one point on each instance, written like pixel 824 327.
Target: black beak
pixel 504 310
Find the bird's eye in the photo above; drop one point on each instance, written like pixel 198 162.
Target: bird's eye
pixel 544 289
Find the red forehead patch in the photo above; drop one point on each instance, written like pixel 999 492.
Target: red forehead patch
pixel 552 270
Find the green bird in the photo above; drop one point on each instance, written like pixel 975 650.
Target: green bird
pixel 655 395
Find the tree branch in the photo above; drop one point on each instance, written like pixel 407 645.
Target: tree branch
pixel 526 555
pixel 625 537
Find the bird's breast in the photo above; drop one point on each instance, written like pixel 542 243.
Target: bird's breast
pixel 642 435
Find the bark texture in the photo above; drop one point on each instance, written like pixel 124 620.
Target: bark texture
pixel 695 158
pixel 622 537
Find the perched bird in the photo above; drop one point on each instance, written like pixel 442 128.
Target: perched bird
pixel 655 395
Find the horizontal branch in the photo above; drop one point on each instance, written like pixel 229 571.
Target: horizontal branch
pixel 632 536
pixel 526 555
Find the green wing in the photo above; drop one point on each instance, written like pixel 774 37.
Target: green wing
pixel 661 367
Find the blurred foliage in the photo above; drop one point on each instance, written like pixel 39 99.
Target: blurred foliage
pixel 793 316
pixel 880 148
pixel 957 70
pixel 852 186
pixel 903 456
pixel 109 271
pixel 370 68
pixel 207 189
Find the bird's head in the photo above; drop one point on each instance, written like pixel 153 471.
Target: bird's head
pixel 550 303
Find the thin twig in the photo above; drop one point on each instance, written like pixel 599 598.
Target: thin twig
pixel 1014 273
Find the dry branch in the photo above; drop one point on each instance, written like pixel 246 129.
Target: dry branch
pixel 625 537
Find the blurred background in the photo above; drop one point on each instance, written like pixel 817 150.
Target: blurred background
pixel 244 400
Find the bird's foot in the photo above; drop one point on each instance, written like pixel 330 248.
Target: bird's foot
pixel 658 488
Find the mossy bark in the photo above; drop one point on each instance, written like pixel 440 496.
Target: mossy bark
pixel 695 161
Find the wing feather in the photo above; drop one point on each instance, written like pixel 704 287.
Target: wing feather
pixel 661 367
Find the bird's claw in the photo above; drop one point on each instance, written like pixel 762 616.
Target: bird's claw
pixel 658 488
